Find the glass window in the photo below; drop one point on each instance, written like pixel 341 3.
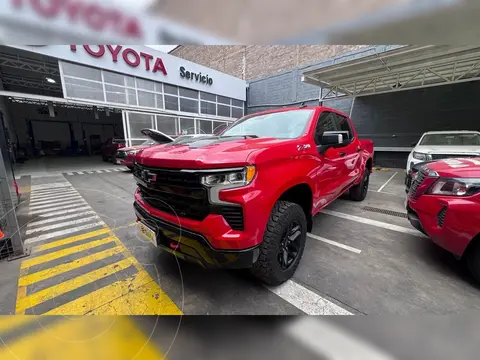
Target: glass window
pixel 208 96
pixel 326 122
pixel 223 100
pixel 167 124
pixel 171 102
pixel 193 94
pixel 84 89
pixel 188 105
pixel 187 126
pixel 146 99
pixel 80 71
pixel 130 81
pixel 137 122
pixel 238 103
pixel 288 124
pixel 131 97
pixel 208 108
pixel 204 127
pixel 159 101
pixel 159 87
pixel 169 89
pixel 112 78
pixel 342 124
pixel 115 94
pixel 145 84
pixel 237 113
pixel 223 110
pixel 219 126
pixel 455 139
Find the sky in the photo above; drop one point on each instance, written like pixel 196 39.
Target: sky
pixel 164 48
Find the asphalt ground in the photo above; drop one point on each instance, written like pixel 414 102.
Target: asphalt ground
pixel 361 258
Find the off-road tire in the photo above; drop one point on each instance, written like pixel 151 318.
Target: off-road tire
pixel 359 192
pixel 130 168
pixel 473 261
pixel 267 269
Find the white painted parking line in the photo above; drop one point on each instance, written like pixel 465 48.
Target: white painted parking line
pixel 386 183
pixel 68 210
pixel 50 186
pixel 54 206
pixel 380 224
pixel 98 171
pixel 62 233
pixel 70 173
pixel 79 172
pixel 44 211
pixel 53 195
pixel 306 300
pixel 62 224
pixel 59 218
pixel 108 170
pixel 331 341
pixel 334 243
pixel 51 191
pixel 55 200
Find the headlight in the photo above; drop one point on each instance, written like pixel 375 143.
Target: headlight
pixel 235 178
pixel 421 156
pixel 132 152
pixel 455 187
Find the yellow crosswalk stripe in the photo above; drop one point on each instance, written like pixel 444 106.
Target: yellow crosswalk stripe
pixel 69 285
pixel 62 268
pixel 101 297
pixel 102 337
pixel 65 252
pixel 70 240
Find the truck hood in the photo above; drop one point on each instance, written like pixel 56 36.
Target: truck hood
pixel 457 168
pixel 130 148
pixel 204 152
pixel 426 149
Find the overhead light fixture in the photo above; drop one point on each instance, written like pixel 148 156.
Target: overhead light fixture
pixel 50 80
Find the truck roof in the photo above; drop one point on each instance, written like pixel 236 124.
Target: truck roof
pixel 322 108
pixel 453 132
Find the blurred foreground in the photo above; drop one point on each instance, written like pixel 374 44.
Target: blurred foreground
pixel 128 338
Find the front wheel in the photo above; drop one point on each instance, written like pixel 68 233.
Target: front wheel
pixel 283 244
pixel 473 261
pixel 130 168
pixel 359 192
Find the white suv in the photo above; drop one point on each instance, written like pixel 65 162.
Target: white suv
pixel 436 145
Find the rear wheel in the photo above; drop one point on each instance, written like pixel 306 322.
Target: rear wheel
pixel 359 192
pixel 283 244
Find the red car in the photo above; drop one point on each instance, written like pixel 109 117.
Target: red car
pixel 444 204
pixel 110 147
pixel 246 198
pixel 126 156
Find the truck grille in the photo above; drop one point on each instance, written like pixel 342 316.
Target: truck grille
pixel 441 216
pixel 180 193
pixel 449 156
pixel 415 184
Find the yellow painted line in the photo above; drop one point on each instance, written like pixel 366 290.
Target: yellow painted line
pixel 69 285
pixel 148 299
pixel 98 298
pixel 75 264
pixel 125 226
pixel 101 337
pixel 65 252
pixel 14 322
pixel 21 295
pixel 70 240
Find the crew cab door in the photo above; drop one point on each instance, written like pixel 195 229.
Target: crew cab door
pixel 329 177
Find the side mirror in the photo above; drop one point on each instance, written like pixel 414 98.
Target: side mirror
pixel 329 140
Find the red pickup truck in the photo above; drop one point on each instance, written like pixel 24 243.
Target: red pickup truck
pixel 444 204
pixel 246 198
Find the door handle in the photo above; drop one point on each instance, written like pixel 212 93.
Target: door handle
pixel 342 154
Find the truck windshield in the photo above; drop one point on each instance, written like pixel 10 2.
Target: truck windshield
pixel 451 139
pixel 281 125
pixel 149 142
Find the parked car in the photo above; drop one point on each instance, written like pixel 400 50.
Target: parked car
pixel 126 155
pixel 444 204
pixel 110 147
pixel 246 198
pixel 437 145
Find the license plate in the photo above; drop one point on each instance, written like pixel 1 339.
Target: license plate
pixel 147 233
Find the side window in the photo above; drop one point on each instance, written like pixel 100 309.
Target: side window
pixel 342 124
pixel 326 122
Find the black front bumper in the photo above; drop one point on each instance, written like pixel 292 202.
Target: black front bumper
pixel 414 220
pixel 193 247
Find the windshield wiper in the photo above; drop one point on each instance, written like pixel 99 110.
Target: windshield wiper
pixel 244 136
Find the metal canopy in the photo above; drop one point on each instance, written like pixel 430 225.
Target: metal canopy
pixel 405 68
